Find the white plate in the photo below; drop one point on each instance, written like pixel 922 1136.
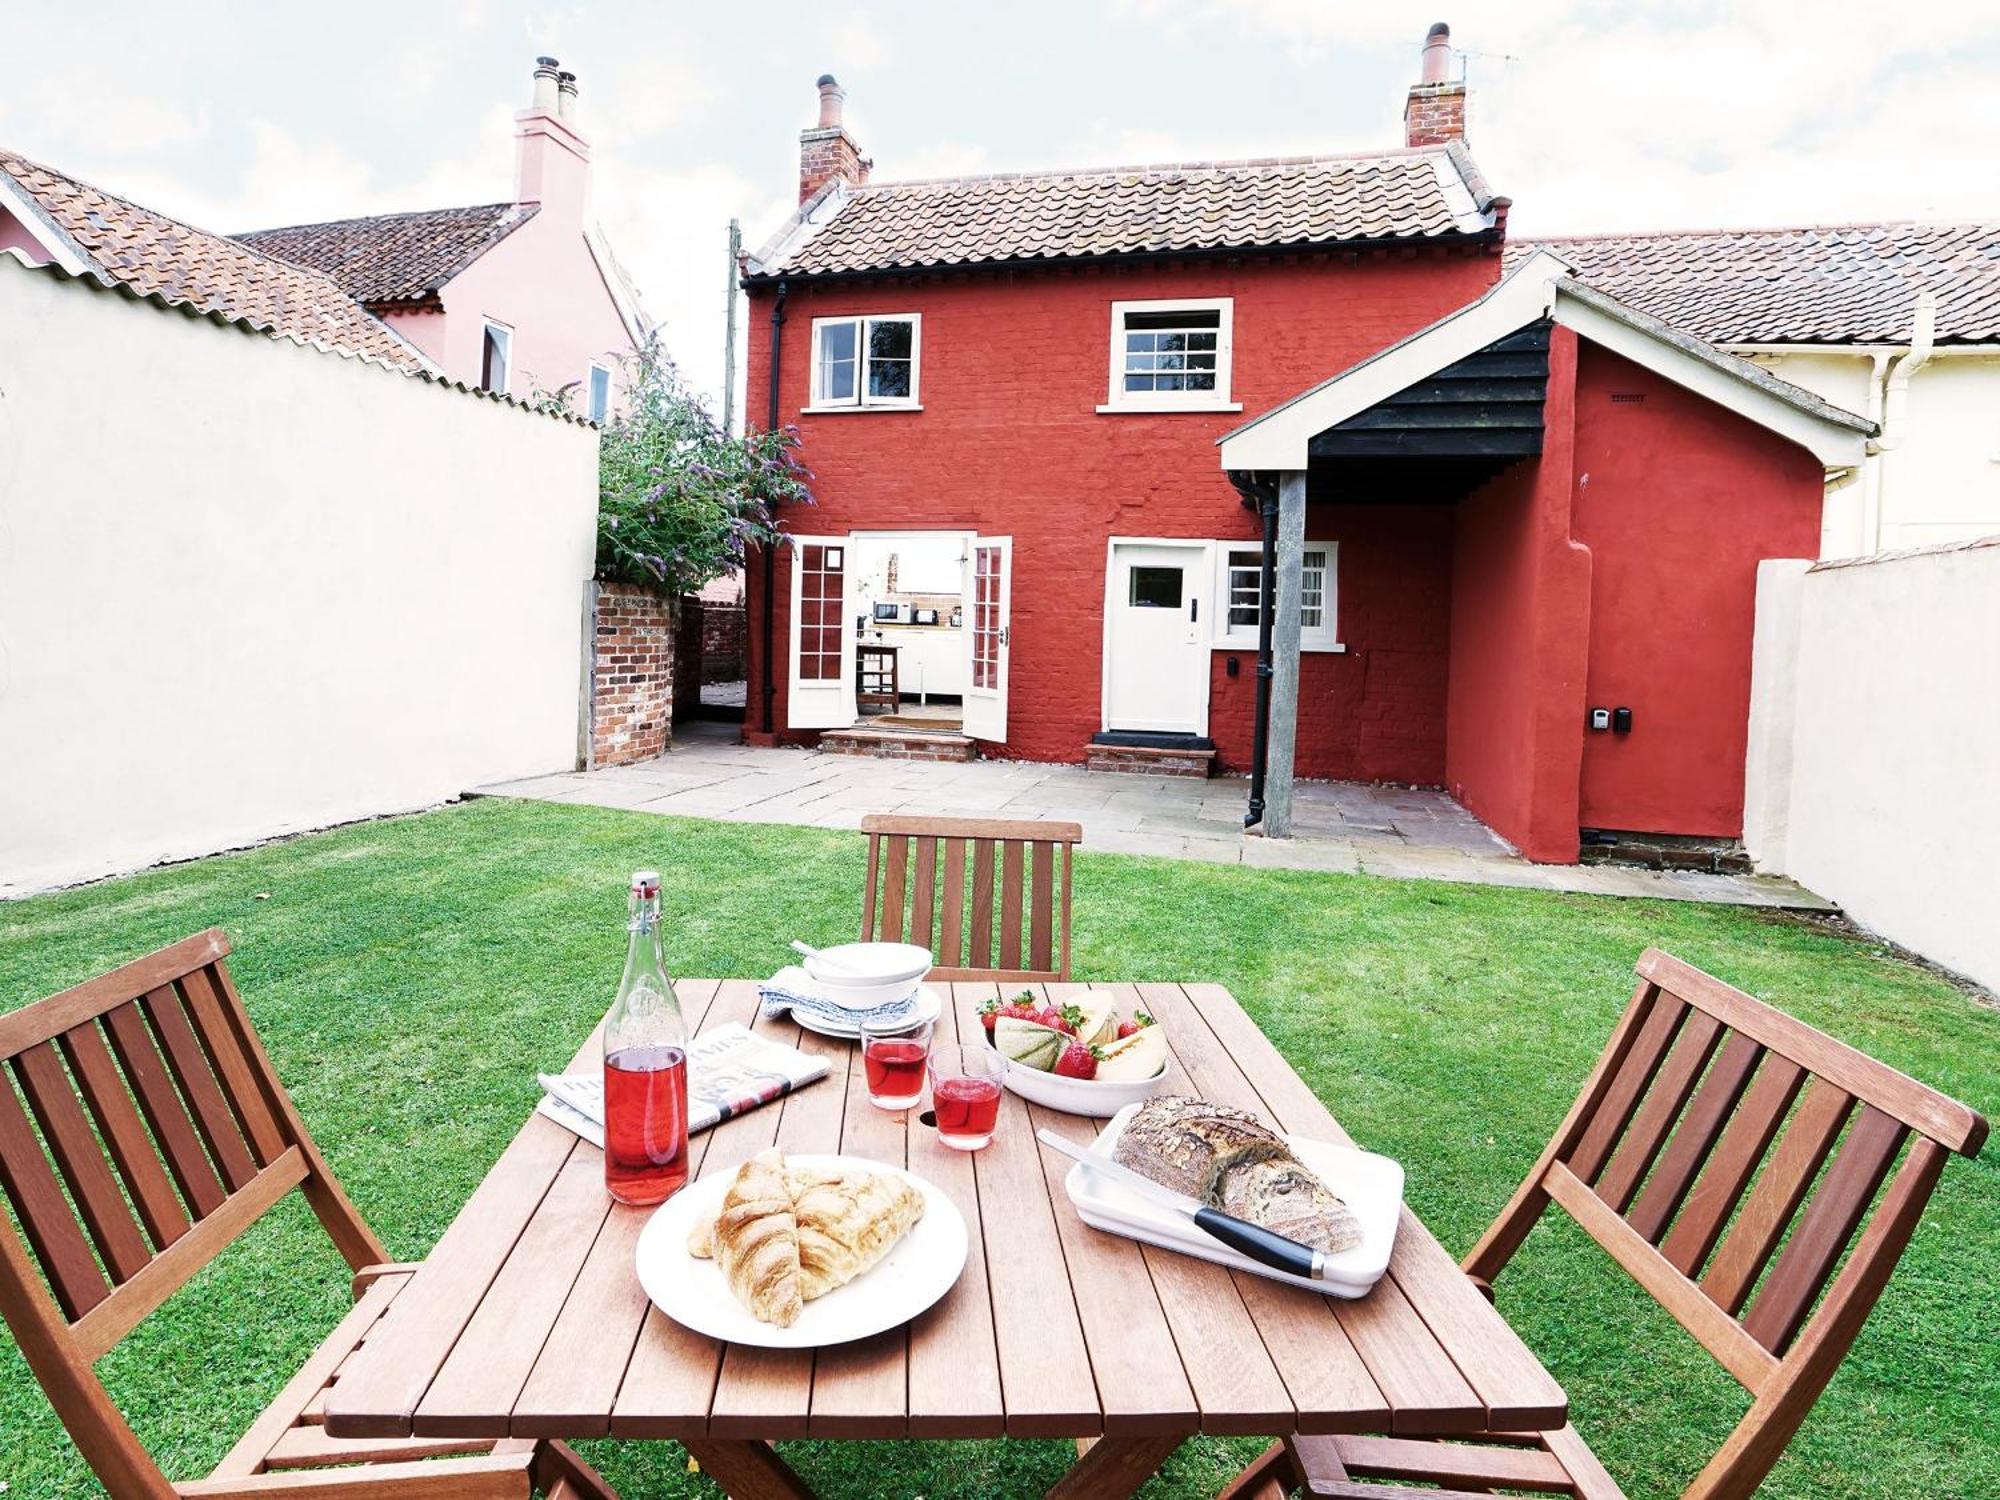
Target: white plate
pixel 1369 1184
pixel 1080 1096
pixel 929 1008
pixel 867 966
pixel 920 1269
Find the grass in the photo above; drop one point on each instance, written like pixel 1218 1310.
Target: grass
pixel 410 975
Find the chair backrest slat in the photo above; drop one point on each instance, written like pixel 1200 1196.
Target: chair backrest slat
pixel 45 1215
pixel 1825 1227
pixel 1718 1095
pixel 1732 1160
pixel 1746 1138
pixel 133 1045
pixel 1018 922
pixel 80 1159
pixel 132 1151
pixel 240 1089
pixel 1781 1187
pixel 212 1115
pixel 1621 1100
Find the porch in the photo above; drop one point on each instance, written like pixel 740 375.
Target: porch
pixel 1348 827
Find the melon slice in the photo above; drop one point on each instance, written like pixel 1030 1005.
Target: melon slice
pixel 1135 1058
pixel 1029 1042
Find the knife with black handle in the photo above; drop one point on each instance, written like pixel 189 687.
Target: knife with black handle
pixel 1254 1240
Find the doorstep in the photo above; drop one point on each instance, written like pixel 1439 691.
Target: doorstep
pixel 1138 753
pixel 898 744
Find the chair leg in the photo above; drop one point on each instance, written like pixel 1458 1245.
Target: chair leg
pixel 1268 1476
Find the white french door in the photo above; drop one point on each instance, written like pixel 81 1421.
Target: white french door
pixel 988 606
pixel 822 647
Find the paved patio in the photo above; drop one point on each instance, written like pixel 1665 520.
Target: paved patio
pixel 1340 826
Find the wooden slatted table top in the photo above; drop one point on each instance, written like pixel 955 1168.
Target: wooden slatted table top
pixel 528 1320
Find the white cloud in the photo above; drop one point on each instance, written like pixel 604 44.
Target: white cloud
pixel 856 40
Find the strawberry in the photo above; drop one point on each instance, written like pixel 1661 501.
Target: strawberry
pixel 1048 1015
pixel 1021 1006
pixel 1139 1022
pixel 1079 1060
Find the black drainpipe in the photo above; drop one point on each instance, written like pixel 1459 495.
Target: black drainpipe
pixel 770 621
pixel 1265 495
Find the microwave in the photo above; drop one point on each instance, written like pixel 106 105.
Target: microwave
pixel 892 614
pixel 923 617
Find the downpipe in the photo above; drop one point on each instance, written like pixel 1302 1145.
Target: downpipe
pixel 769 696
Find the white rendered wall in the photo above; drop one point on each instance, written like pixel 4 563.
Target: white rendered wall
pixel 1892 803
pixel 1941 483
pixel 249 588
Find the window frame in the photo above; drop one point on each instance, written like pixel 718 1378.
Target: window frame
pixel 817 401
pixel 1226 636
pixel 597 368
pixel 488 327
pixel 1118 399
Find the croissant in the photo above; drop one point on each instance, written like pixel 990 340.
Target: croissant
pixel 847 1221
pixel 786 1235
pixel 755 1239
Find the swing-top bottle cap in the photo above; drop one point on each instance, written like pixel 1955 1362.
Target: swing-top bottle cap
pixel 646 882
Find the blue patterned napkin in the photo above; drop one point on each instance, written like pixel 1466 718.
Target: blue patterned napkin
pixel 792 989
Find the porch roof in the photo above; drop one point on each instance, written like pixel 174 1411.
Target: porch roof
pixel 1542 289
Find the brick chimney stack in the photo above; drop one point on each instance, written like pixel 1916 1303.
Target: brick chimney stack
pixel 1435 111
pixel 827 150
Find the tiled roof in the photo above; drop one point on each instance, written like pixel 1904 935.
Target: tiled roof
pixel 1424 194
pixel 391 258
pixel 190 267
pixel 1833 284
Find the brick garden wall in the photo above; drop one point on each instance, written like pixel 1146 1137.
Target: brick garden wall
pixel 632 676
pixel 722 637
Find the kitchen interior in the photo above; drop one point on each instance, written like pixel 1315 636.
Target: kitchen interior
pixel 909 623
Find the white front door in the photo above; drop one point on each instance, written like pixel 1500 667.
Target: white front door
pixel 822 650
pixel 988 585
pixel 1156 637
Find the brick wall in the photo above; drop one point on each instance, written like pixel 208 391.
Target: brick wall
pixel 1435 114
pixel 722 637
pixel 632 676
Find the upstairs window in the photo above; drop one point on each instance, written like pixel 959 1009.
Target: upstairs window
pixel 600 392
pixel 1240 590
pixel 497 359
pixel 865 362
pixel 1171 356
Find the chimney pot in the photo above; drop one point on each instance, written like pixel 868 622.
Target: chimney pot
pixel 1437 54
pixel 566 97
pixel 832 100
pixel 546 76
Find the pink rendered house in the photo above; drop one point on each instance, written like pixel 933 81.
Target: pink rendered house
pixel 520 297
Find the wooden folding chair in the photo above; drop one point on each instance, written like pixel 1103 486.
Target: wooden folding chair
pixel 151 1092
pixel 1026 906
pixel 1694 1156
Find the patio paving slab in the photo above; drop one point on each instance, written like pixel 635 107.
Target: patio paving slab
pixel 1398 832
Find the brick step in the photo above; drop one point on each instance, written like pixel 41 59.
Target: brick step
pixel 1150 760
pixel 899 744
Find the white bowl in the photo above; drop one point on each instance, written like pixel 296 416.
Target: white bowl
pixel 1080 1096
pixel 859 976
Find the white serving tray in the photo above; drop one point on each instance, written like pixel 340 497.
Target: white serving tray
pixel 1371 1185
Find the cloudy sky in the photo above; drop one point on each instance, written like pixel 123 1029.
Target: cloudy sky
pixel 1642 114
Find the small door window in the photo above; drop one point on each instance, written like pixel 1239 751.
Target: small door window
pixel 1156 588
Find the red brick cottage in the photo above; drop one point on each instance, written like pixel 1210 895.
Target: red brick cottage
pixel 1091 418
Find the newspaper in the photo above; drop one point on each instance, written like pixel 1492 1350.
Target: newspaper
pixel 730 1070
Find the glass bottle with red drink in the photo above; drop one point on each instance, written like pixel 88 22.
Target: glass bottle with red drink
pixel 645 1066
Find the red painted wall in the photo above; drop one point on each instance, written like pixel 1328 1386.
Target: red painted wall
pixel 1009 441
pixel 1678 499
pixel 1520 615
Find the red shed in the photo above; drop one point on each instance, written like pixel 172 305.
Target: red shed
pixel 1071 429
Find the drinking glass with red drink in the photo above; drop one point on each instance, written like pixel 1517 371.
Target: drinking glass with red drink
pixel 893 1056
pixel 965 1094
pixel 645 1066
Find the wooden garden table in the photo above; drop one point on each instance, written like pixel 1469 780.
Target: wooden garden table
pixel 528 1320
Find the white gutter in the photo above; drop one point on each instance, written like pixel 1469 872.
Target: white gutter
pixel 1895 406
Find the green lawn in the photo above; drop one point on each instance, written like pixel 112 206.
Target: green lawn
pixel 411 975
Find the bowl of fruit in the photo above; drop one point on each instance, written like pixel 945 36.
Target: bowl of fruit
pixel 1083 1057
